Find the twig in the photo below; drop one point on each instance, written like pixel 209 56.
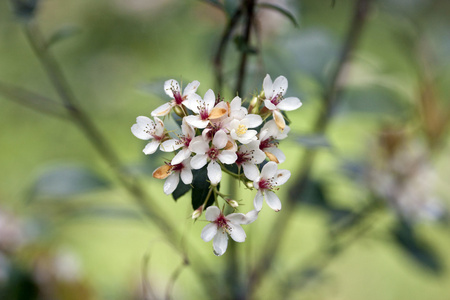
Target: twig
pixel 330 99
pixel 176 273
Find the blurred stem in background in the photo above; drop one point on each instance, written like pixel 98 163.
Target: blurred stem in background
pixel 298 184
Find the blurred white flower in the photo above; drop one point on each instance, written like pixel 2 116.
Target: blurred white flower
pixel 204 110
pixel 248 156
pixel 173 173
pixel 183 142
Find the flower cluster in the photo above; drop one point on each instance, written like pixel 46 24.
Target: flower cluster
pixel 222 137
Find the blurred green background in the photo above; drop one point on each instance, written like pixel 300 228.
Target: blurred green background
pixel 116 60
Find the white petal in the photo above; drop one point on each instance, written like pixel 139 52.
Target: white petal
pixel 171 145
pixel 196 121
pixel 250 217
pixel 199 146
pixel 171 183
pixel 237 233
pixel 247 137
pixel 268 87
pixel 191 88
pixel 192 102
pixel 236 103
pixel 162 110
pixel 236 218
pixel 269 170
pixel 279 119
pixel 281 177
pixel 208 232
pixel 269 105
pixel 252 121
pixel 187 130
pixel 171 85
pixel 250 170
pixel 139 132
pixel 290 103
pixel 209 100
pixel 220 139
pixel 258 201
pixel 144 121
pixel 273 201
pixel 280 85
pixel 227 157
pixel 186 175
pixel 214 172
pixel 278 154
pixel 198 161
pixel 258 156
pixel 220 243
pixel 151 147
pixel 159 128
pixel 212 213
pixel 181 155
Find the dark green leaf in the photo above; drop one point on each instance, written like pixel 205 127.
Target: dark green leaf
pixel 200 189
pixel 62 182
pixel 313 141
pixel 24 9
pixel 33 100
pixel 62 34
pixel 180 190
pixel 281 10
pixel 416 248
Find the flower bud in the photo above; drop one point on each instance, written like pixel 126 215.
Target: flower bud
pixel 249 184
pixel 232 203
pixel 179 111
pixel 197 213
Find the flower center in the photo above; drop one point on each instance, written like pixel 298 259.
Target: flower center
pixel 221 222
pixel 242 129
pixel 177 167
pixel 213 153
pixel 177 97
pixel 204 115
pixel 243 157
pixel 276 99
pixel 267 143
pixel 265 184
pixel 185 141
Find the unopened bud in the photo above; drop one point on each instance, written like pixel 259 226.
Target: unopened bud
pixel 249 184
pixel 232 203
pixel 197 213
pixel 179 111
pixel 253 106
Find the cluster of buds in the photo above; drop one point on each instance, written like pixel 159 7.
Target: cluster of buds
pixel 222 137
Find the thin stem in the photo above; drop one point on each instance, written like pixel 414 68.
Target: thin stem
pixel 249 7
pixel 103 147
pixel 330 99
pixel 220 54
pixel 173 278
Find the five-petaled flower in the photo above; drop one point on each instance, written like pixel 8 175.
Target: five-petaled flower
pixel 221 226
pixel 269 179
pixel 275 101
pixel 173 172
pixel 172 89
pixel 146 129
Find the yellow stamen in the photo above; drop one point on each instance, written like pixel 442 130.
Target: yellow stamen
pixel 242 129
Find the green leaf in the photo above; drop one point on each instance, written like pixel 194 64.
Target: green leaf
pixel 181 190
pixel 420 252
pixel 313 141
pixel 281 10
pixel 33 100
pixel 200 189
pixel 62 34
pixel 65 181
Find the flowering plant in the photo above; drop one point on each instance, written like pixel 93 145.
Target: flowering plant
pixel 219 136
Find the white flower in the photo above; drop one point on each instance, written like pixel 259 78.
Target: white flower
pixel 270 146
pixel 204 110
pixel 248 156
pixel 183 142
pixel 275 101
pixel 239 129
pixel 221 226
pixel 237 111
pixel 274 131
pixel 173 174
pixel 269 179
pixel 213 153
pixel 146 129
pixel 172 89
